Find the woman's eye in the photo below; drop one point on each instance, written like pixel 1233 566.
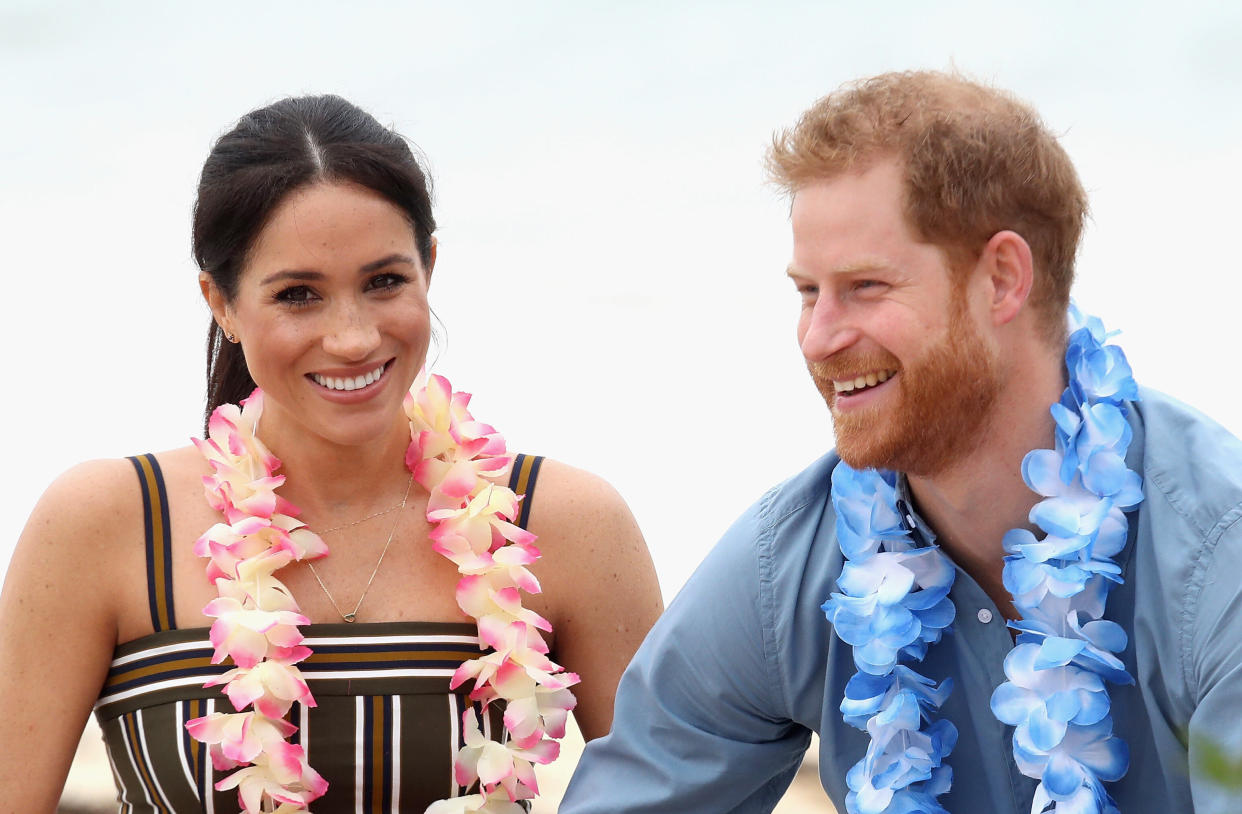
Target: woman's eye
pixel 387 281
pixel 297 295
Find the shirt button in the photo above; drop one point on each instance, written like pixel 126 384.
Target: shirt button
pixel 984 615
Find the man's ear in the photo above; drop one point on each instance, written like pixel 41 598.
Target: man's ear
pixel 1010 270
pixel 217 302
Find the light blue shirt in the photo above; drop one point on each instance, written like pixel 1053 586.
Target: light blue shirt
pixel 717 708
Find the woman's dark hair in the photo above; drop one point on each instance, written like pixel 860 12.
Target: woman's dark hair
pixel 270 153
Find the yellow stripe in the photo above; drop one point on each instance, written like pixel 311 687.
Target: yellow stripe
pixel 204 662
pixel 156 669
pixel 158 540
pixel 524 474
pixel 140 760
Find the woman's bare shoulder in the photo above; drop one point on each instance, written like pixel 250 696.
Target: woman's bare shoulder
pixel 567 501
pixel 100 499
pixel 91 497
pixel 587 531
pixel 599 581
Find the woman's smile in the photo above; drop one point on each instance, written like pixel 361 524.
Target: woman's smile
pixel 348 380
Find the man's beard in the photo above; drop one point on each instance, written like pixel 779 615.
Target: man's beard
pixel 944 401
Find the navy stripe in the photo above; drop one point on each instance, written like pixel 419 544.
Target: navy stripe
pixel 202 653
pixel 452 647
pixel 363 666
pixel 148 532
pixel 122 686
pixel 168 551
pixel 515 472
pixel 368 749
pixel 386 791
pixel 524 514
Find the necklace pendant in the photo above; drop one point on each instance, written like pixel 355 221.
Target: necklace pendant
pixel 349 617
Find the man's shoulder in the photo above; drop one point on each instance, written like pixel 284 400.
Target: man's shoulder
pixel 808 488
pixel 1191 464
pixel 787 530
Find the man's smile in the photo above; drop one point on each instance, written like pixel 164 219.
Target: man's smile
pixel 862 382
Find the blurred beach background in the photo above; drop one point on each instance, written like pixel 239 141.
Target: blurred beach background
pixel 611 264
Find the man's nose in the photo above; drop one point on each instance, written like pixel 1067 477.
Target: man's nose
pixel 826 329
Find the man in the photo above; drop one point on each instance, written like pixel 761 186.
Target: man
pixel 935 226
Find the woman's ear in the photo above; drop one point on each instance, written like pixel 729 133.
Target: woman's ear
pixel 431 259
pixel 218 304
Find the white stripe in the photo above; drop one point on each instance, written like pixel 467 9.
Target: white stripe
pixel 396 754
pixel 315 641
pixel 487 724
pixel 133 761
pixel 146 755
pixel 304 729
pixel 396 672
pixel 179 734
pixel 209 771
pixel 122 792
pixel 359 746
pixel 162 651
pixel 311 641
pixel 182 681
pixel 310 675
pixel 454 741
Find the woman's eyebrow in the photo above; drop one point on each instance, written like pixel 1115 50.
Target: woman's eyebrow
pixel 375 265
pixel 291 274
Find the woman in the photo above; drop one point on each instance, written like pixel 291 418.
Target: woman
pixel 314 233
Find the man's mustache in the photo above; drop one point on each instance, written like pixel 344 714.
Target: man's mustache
pixel 843 366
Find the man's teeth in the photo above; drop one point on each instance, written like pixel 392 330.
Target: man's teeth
pixel 348 383
pixel 869 380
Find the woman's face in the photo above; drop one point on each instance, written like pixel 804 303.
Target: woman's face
pixel 331 312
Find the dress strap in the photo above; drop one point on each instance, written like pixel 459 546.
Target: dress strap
pixel 522 481
pixel 158 541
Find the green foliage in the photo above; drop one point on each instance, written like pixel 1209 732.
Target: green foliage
pixel 1215 764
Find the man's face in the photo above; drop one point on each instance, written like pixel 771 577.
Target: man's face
pixel 887 335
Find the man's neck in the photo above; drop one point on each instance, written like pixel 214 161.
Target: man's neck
pixel 974 501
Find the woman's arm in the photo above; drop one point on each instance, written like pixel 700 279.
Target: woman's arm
pixel 599 582
pixel 58 625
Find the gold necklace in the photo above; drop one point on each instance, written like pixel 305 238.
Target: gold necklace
pixel 381 513
pixel 353 615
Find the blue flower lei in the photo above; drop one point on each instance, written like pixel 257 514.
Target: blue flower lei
pixel 894 602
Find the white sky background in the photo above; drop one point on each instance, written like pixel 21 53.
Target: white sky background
pixel 611 265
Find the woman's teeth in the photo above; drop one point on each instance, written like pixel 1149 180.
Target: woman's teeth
pixel 869 380
pixel 348 383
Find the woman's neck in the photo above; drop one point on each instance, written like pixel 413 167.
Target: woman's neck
pixel 325 479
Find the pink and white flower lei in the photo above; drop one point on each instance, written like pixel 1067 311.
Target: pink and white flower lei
pixel 462 463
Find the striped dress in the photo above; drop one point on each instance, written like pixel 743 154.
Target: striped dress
pixel 383 734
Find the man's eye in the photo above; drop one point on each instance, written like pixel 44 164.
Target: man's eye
pixel 869 286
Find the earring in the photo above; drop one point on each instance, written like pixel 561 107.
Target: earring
pixel 230 337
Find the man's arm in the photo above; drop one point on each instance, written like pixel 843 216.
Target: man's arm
pixel 701 721
pixel 1216 672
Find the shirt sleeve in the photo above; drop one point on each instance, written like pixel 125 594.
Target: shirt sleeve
pixel 701 723
pixel 1216 671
